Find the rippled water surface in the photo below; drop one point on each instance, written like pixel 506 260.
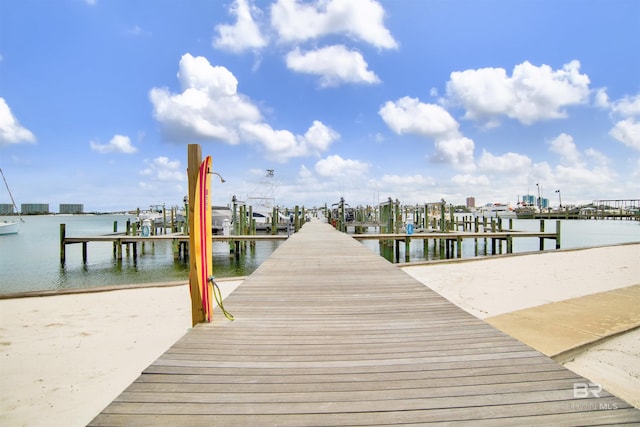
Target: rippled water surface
pixel 30 260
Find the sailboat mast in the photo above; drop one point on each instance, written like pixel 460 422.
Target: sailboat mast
pixel 10 195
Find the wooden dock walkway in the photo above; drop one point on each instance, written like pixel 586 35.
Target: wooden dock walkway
pixel 328 333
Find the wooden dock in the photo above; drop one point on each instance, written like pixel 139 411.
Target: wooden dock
pixel 328 333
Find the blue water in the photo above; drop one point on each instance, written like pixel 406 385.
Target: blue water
pixel 30 260
pixel 573 234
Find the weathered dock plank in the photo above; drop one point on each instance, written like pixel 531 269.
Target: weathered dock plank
pixel 328 333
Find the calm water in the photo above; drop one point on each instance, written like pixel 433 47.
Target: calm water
pixel 30 260
pixel 573 234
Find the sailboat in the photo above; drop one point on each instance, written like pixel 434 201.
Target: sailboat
pixel 10 227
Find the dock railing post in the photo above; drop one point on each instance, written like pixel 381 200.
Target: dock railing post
pixel 194 155
pixel 63 249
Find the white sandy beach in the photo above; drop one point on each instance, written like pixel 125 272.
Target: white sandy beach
pixel 64 358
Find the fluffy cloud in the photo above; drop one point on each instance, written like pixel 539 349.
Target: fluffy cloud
pixel 471 181
pixel 210 107
pixel 410 116
pixel 165 170
pixel 334 65
pixel 336 167
pixel 509 163
pixel 584 172
pixel 564 146
pixel 629 106
pixel 360 19
pixel 531 93
pixel 627 130
pixel 11 132
pixel 244 34
pixel 118 144
pixel 282 144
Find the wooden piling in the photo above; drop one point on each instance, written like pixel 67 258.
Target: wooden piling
pixel 63 248
pixel 194 156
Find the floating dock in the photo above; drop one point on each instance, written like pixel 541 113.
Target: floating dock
pixel 328 333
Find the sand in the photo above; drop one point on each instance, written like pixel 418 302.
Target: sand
pixel 65 358
pixel 491 287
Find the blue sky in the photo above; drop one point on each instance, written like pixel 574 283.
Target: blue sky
pixel 417 100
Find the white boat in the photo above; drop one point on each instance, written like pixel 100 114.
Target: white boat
pixel 10 227
pixel 7 227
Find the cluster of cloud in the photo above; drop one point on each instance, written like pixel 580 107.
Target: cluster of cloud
pixel 293 23
pixel 627 113
pixel 531 94
pixel 211 108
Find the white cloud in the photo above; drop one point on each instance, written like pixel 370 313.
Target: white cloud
pixel 587 173
pixel 531 93
pixel 359 19
pixel 564 146
pixel 336 167
pixel 628 132
pixel 118 144
pixel 410 116
pixel 334 65
pixel 282 145
pixel 601 98
pixel 471 181
pixel 209 106
pixel 11 132
pixel 629 106
pixel 509 163
pixel 165 170
pixel 244 34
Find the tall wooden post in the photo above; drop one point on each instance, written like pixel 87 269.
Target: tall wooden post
pixel 194 155
pixel 63 245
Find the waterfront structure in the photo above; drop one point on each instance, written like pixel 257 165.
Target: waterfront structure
pixel 6 209
pixel 348 339
pixel 528 200
pixel 34 208
pixel 471 202
pixel 66 208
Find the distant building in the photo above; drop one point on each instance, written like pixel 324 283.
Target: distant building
pixel 6 209
pixel 544 203
pixel 71 208
pixel 34 208
pixel 529 200
pixel 471 202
